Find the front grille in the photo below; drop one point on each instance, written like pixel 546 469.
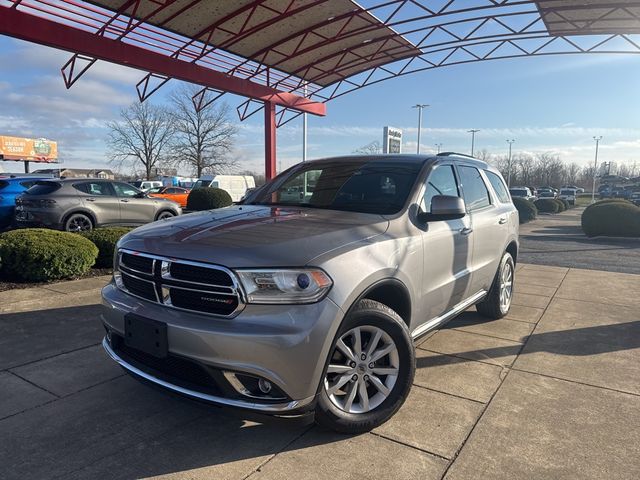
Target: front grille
pixel 172 368
pixel 137 262
pixel 208 302
pixel 193 273
pixel 141 288
pixel 179 284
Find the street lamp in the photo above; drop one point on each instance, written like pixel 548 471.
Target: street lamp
pixel 510 142
pixel 595 169
pixel 473 138
pixel 419 106
pixel 439 147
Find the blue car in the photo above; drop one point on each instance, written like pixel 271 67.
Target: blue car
pixel 10 188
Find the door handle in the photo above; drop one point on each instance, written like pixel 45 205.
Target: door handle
pixel 466 231
pixel 124 200
pixel 91 199
pixel 502 220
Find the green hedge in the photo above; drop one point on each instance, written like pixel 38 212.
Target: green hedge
pixel 547 205
pixel 614 218
pixel 39 254
pixel 208 198
pixel 526 209
pixel 105 239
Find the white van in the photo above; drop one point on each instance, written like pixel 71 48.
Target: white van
pixel 145 185
pixel 235 185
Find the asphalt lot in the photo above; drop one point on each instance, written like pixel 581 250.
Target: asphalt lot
pixel 551 391
pixel 557 240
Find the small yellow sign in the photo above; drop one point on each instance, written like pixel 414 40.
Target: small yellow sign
pixel 32 149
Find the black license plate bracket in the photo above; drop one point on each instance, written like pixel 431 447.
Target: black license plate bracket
pixel 146 335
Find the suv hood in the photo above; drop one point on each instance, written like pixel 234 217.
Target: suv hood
pixel 254 236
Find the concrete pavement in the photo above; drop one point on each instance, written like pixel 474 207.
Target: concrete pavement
pixel 557 240
pixel 551 391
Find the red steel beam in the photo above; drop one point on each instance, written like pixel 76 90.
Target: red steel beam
pixel 32 28
pixel 269 140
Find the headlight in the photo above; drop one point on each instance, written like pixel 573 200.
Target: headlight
pixel 306 285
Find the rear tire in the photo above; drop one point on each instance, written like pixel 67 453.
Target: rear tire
pixel 78 222
pixel 371 384
pixel 498 301
pixel 164 215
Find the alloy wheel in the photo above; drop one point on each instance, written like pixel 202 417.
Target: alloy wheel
pixel 506 286
pixel 79 224
pixel 362 370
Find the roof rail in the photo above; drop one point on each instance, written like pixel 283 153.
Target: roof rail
pixel 449 154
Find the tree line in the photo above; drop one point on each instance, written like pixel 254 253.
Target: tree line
pixel 147 136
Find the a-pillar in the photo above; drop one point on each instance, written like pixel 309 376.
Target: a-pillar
pixel 269 140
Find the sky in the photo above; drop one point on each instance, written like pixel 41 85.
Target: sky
pixel 552 104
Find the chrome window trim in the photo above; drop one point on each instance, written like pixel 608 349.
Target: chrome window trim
pixel 157 281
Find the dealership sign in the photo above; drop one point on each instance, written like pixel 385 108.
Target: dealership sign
pixel 30 149
pixel 391 140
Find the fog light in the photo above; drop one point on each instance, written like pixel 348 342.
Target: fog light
pixel 264 385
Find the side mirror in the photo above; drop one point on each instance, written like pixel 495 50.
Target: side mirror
pixel 444 207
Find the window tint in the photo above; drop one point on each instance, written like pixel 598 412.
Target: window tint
pixel 95 188
pixel 125 190
pixel 28 183
pixel 498 186
pixel 43 188
pixel 475 191
pixel 441 181
pixel 360 185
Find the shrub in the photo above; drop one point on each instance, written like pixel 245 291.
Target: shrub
pixel 105 239
pixel 39 254
pixel 561 207
pixel 526 209
pixel 618 219
pixel 565 204
pixel 208 198
pixel 547 205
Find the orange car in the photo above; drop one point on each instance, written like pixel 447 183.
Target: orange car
pixel 177 194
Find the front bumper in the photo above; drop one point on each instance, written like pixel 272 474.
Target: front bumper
pixel 284 344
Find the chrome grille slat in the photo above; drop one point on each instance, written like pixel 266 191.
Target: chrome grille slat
pixel 206 298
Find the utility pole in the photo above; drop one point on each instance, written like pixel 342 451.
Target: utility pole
pixel 510 142
pixel 595 169
pixel 419 107
pixel 473 138
pixel 439 147
pixel 304 130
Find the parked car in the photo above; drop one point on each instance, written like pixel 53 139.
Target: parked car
pixel 145 185
pixel 284 307
pixel 635 198
pixel 10 188
pixel 76 204
pixel 177 194
pixel 546 193
pixel 522 192
pixel 234 185
pixel 569 195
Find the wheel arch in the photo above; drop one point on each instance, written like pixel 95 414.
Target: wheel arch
pixel 390 292
pixel 512 248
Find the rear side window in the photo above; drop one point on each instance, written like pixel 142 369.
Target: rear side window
pixel 498 187
pixel 441 181
pixel 43 188
pixel 475 191
pixel 94 188
pixel 27 183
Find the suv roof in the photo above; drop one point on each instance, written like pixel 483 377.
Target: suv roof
pixel 411 158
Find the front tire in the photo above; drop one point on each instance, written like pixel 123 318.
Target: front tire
pixel 498 301
pixel 164 215
pixel 370 370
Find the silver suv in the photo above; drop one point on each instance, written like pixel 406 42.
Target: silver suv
pixel 77 204
pixel 290 304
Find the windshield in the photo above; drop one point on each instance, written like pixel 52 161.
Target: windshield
pixel 155 190
pixel 359 185
pixel 199 184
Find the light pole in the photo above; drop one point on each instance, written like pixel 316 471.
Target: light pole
pixel 439 147
pixel 595 169
pixel 510 142
pixel 419 106
pixel 473 138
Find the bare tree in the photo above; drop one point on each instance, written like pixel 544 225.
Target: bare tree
pixel 141 136
pixel 204 138
pixel 372 148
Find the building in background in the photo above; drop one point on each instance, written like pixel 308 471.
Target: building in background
pixel 105 174
pixel 391 140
